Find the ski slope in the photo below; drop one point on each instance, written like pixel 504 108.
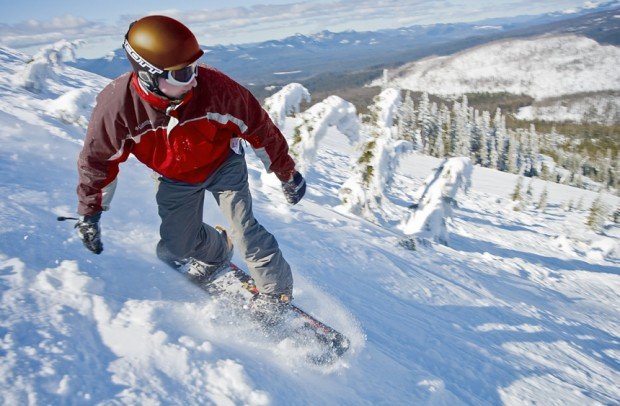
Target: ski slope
pixel 521 308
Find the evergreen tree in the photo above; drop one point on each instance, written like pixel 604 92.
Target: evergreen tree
pixel 542 201
pixel 364 192
pixel 512 154
pixel 485 131
pixel 424 122
pixel 437 197
pixel 578 182
pixel 493 147
pixel 475 138
pixel 517 195
pixel 606 170
pixel 530 153
pixel 462 127
pixel 407 121
pixel 445 130
pixel 580 204
pixel 454 130
pixel 314 124
pixel 545 174
pixel 432 129
pixel 500 135
pixel 529 192
pixel 598 214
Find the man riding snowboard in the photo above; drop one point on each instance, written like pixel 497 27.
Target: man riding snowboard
pixel 185 121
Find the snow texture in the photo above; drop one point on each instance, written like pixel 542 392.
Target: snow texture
pixel 521 308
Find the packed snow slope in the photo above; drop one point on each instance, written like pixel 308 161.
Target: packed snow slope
pixel 521 308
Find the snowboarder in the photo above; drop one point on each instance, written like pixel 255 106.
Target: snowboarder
pixel 185 121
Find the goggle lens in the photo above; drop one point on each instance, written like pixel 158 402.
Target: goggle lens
pixel 182 76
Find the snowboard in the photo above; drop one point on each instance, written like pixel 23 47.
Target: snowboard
pixel 322 344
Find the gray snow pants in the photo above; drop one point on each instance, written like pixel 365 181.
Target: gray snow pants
pixel 184 235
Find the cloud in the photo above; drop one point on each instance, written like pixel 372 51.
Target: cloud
pixel 259 22
pixel 308 12
pixel 306 15
pixel 40 32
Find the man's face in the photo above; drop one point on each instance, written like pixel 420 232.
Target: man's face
pixel 175 92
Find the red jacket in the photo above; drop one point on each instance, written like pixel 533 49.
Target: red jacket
pixel 186 144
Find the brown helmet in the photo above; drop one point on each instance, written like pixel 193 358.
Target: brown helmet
pixel 155 44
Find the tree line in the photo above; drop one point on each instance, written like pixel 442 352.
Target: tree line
pixel 462 130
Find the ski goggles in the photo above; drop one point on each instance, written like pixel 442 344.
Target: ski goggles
pixel 181 77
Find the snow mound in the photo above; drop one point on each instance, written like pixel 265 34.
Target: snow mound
pixel 602 248
pixel 73 107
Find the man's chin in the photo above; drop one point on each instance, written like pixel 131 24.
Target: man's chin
pixel 176 98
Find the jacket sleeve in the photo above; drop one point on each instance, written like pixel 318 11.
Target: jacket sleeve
pixel 106 145
pixel 263 135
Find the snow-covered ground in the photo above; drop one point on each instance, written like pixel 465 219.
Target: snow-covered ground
pixel 529 66
pixel 521 308
pixel 600 108
pixel 544 67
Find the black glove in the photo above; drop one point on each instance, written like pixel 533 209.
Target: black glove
pixel 295 188
pixel 88 229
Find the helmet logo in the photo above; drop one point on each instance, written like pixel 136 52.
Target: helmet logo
pixel 141 61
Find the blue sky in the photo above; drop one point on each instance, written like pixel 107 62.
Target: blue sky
pixel 29 24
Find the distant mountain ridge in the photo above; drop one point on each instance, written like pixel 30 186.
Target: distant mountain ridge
pixel 302 57
pixel 540 67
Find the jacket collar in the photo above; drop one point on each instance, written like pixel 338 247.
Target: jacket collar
pixel 156 101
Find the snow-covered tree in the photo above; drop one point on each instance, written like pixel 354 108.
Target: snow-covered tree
pixel 543 200
pixel 529 192
pixel 286 102
pixel 445 130
pixel 518 194
pixel 530 153
pixel 437 197
pixel 598 214
pixel 385 79
pixel 364 192
pixel 461 129
pixel 425 122
pixel 579 206
pixel 481 129
pixel 497 141
pixel 433 131
pixel 605 170
pixel 331 112
pixel 438 147
pixel 512 154
pixel 407 121
pixel 45 62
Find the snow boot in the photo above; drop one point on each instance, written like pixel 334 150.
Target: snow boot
pixel 198 270
pixel 270 308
